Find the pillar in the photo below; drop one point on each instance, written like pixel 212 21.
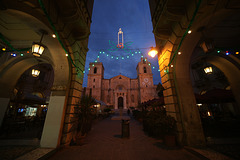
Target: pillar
pixel 51 131
pixel 3 106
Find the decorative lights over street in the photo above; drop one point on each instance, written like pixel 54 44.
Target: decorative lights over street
pixel 54 35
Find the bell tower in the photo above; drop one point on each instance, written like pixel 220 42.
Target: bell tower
pixel 95 78
pixel 145 80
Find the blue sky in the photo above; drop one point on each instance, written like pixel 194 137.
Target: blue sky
pixel 133 16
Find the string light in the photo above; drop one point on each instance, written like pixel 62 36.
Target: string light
pixel 179 53
pixel 190 31
pixel 3 49
pixel 54 35
pixel 237 52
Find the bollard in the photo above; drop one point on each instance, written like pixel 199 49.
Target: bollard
pixel 125 129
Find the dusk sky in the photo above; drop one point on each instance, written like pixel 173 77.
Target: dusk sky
pixel 133 16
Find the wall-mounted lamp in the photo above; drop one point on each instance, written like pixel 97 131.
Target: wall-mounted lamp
pixel 38 48
pixel 153 52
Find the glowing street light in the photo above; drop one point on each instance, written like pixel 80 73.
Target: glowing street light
pixel 153 52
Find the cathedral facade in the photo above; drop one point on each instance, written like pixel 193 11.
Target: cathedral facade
pixel 121 91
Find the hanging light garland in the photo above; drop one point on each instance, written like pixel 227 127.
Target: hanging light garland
pixel 14 52
pixel 186 32
pixel 78 69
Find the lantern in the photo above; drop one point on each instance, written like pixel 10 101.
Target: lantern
pixel 208 70
pixel 37 49
pixel 35 72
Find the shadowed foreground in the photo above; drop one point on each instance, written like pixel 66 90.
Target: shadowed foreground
pixel 104 142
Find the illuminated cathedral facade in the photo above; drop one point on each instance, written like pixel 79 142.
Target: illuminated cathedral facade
pixel 121 91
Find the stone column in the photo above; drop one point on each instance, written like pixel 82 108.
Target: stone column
pixel 116 101
pixel 51 131
pixel 3 106
pixel 125 100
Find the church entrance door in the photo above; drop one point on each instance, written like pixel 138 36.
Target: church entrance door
pixel 120 102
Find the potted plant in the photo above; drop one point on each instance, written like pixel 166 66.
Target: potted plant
pixel 85 116
pixel 170 129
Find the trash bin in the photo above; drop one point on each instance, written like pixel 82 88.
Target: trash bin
pixel 125 128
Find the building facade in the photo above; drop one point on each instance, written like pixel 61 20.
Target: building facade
pixel 121 91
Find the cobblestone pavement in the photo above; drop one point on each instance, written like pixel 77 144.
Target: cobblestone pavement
pixel 104 142
pixel 12 152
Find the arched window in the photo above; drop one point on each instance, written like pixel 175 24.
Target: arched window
pixel 95 70
pixel 94 80
pixel 93 86
pixel 144 69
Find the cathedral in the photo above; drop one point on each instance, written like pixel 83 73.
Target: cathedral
pixel 121 91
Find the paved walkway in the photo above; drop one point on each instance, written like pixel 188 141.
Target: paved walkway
pixel 104 142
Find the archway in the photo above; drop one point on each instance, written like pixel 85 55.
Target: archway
pixel 25 115
pixel 181 76
pixel 14 66
pixel 177 47
pixel 120 102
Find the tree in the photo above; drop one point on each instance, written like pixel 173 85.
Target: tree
pixel 85 114
pixel 160 90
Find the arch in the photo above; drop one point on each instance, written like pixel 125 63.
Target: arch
pixel 95 70
pixel 120 102
pixel 176 78
pixel 144 70
pixel 13 69
pixel 54 55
